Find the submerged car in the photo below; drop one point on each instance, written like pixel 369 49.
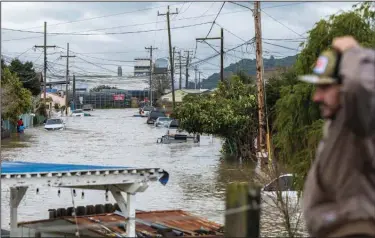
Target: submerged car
pixel 146 110
pixel 176 135
pixel 162 121
pixel 78 113
pixel 54 124
pixel 154 115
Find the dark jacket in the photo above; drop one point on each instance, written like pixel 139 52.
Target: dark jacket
pixel 339 193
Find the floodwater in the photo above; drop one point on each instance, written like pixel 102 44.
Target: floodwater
pixel 198 176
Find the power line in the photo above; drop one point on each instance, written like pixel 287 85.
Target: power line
pixel 285 47
pixel 281 23
pixel 107 33
pixel 195 17
pixel 217 15
pixel 104 16
pixel 96 65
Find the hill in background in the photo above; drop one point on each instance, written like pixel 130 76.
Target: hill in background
pixel 248 66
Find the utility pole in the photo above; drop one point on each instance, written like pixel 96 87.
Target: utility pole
pixel 259 69
pixel 74 92
pixel 199 82
pixel 221 38
pixel 170 51
pixel 180 83
pixel 45 46
pixel 150 93
pixel 222 55
pixel 187 69
pixel 67 56
pixel 195 81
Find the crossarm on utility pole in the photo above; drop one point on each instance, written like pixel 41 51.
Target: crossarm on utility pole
pixel 221 38
pixel 45 46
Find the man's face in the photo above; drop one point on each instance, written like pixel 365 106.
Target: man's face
pixel 328 96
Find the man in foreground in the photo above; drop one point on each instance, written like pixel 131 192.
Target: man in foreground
pixel 339 193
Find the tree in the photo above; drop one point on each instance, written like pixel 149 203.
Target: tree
pixel 15 100
pixel 160 82
pixel 100 87
pixel 27 75
pixel 230 113
pixel 297 120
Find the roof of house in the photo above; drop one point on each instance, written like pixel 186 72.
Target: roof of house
pixel 147 223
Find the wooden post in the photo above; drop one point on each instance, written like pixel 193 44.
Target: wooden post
pixel 242 217
pixel 259 70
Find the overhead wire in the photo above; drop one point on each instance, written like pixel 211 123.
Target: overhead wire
pixel 107 33
pixel 105 16
pixel 217 15
pixel 281 23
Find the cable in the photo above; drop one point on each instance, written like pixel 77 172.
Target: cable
pixel 24 52
pixel 285 47
pixel 97 65
pixel 242 6
pixel 251 41
pixel 215 20
pixel 106 33
pixel 195 17
pixel 230 32
pixel 281 23
pixel 104 16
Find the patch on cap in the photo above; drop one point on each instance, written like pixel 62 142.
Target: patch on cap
pixel 321 64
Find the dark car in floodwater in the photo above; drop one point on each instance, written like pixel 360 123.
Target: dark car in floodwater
pixel 154 115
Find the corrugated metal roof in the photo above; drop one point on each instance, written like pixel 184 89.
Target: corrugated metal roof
pixel 146 223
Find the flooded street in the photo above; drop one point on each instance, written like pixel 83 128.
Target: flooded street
pixel 198 177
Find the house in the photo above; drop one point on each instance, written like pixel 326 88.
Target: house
pixel 181 93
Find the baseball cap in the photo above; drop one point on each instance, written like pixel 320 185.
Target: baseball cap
pixel 325 70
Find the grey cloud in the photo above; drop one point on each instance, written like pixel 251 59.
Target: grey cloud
pixel 300 17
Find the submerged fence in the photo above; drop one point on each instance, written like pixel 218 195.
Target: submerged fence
pixel 29 121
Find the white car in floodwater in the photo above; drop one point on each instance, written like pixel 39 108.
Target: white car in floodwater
pixel 281 188
pixel 54 124
pixel 279 194
pixel 78 113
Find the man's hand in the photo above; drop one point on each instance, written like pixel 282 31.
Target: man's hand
pixel 344 43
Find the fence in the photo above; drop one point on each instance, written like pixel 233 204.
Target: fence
pixel 108 98
pixel 28 121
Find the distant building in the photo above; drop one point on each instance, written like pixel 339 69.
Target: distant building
pixel 119 71
pixel 142 67
pixel 161 66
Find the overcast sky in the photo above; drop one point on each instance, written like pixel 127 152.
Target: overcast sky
pixel 284 25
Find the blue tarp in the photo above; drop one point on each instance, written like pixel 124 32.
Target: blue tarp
pixel 16 167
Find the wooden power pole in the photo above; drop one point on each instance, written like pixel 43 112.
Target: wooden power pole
pixel 259 70
pixel 67 56
pixel 45 46
pixel 150 92
pixel 170 52
pixel 221 38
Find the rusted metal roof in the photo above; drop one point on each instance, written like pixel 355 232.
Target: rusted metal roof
pixel 147 223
